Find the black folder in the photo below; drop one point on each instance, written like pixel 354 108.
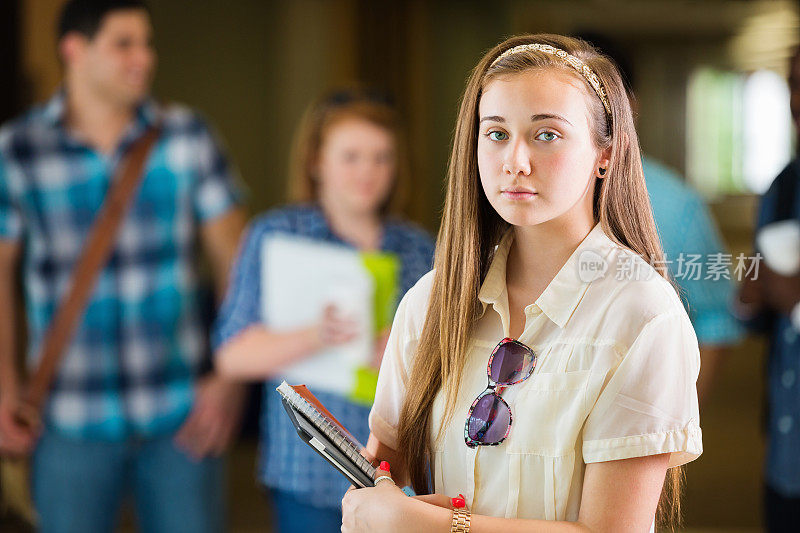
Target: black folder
pixel 320 430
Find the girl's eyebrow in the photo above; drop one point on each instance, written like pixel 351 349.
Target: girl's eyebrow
pixel 544 116
pixel 534 118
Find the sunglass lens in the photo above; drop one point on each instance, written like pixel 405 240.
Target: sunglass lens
pixel 489 420
pixel 512 362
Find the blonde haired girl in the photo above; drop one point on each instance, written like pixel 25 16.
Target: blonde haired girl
pixel 348 172
pixel 547 245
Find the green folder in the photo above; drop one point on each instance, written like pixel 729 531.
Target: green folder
pixel 385 271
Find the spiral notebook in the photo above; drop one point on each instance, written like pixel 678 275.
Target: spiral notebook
pixel 320 430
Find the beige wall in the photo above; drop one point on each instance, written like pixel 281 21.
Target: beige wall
pixel 39 61
pixel 252 66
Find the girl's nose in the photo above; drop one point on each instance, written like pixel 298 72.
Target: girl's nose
pixel 518 160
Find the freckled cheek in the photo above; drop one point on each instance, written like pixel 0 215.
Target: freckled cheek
pixel 335 174
pixel 551 165
pixel 382 181
pixel 561 171
pixel 490 167
pixel 487 159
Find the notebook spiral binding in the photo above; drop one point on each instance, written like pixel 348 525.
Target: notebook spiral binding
pixel 344 443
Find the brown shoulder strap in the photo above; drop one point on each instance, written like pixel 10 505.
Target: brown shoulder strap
pixel 96 252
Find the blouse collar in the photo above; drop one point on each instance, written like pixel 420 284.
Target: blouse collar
pixel 562 296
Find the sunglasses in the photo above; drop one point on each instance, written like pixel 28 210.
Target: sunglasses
pixel 489 420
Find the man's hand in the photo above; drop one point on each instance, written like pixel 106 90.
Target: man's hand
pixel 781 293
pixel 17 438
pixel 767 290
pixel 215 418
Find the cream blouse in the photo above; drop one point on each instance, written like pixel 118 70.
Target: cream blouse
pixel 615 378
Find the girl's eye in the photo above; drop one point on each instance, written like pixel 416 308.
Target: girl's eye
pixel 383 159
pixel 547 136
pixel 497 135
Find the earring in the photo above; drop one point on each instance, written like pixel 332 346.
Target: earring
pixel 602 171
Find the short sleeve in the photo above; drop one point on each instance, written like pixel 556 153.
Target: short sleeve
pixel 384 418
pixel 10 216
pixel 218 188
pixel 648 404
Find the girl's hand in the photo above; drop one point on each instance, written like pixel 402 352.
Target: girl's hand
pixel 440 500
pixel 377 509
pixel 334 328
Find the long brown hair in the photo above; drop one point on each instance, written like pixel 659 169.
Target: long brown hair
pixel 471 228
pixel 325 113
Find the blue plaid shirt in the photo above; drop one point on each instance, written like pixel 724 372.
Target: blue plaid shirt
pixel 132 360
pixel 783 366
pixel 286 462
pixel 686 227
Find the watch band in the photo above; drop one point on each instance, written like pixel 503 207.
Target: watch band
pixel 461 519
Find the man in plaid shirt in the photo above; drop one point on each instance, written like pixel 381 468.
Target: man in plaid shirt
pixel 130 409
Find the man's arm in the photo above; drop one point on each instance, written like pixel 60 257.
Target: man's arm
pixel 220 240
pixel 708 299
pixel 751 301
pixel 215 416
pixel 711 359
pixel 9 379
pixel 15 438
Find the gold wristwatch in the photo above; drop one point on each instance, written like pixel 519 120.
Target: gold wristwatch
pixel 460 522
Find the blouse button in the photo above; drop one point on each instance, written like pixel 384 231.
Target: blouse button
pixel 785 424
pixel 787 378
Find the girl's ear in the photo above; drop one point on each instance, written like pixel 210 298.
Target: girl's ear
pixel 603 163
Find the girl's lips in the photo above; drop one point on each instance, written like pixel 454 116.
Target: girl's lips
pixel 518 195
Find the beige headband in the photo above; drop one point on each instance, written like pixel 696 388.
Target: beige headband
pixel 573 61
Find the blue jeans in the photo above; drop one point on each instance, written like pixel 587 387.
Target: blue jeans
pixel 79 486
pixel 293 515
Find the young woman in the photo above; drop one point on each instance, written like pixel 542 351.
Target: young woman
pixel 544 370
pixel 348 172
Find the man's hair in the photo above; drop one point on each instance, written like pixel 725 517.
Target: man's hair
pixel 86 16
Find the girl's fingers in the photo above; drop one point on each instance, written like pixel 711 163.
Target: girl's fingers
pixel 440 500
pixel 382 470
pixel 338 335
